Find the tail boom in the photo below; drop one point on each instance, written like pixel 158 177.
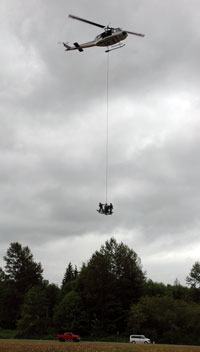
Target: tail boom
pixel 68 47
pixel 78 46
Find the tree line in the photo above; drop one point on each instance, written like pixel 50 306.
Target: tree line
pixel 109 297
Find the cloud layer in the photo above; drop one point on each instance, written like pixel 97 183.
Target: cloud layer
pixel 53 133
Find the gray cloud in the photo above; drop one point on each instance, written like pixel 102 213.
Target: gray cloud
pixel 53 132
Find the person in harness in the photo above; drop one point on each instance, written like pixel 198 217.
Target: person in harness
pixel 100 208
pixel 105 208
pixel 110 209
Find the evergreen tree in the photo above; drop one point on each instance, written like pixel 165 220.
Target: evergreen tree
pixel 9 307
pixel 68 313
pixel 53 298
pixel 108 284
pixel 21 269
pixel 193 279
pixel 2 275
pixel 68 281
pixel 20 274
pixel 69 275
pixel 166 320
pixel 35 320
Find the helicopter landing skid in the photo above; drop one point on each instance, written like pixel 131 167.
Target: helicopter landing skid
pixel 114 47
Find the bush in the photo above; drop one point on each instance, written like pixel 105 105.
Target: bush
pixel 7 334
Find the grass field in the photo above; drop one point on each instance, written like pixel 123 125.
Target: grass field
pixel 54 346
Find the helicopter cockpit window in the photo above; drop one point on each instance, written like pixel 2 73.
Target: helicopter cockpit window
pixel 117 29
pixel 106 33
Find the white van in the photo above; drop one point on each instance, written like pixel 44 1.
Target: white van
pixel 139 339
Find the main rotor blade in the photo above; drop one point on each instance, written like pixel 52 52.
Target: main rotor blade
pixel 86 21
pixel 139 34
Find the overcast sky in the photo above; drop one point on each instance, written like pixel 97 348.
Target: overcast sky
pixel 53 133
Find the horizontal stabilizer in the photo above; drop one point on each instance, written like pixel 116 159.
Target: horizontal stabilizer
pixel 67 46
pixel 78 46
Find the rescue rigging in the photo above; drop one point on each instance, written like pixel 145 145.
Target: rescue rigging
pixel 111 38
pixel 105 208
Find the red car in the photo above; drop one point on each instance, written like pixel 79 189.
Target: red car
pixel 68 336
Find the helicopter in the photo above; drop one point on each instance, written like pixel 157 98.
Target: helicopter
pixel 110 38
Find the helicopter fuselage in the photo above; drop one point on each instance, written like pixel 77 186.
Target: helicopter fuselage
pixel 111 37
pixel 108 38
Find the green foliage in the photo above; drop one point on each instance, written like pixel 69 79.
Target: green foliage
pixel 53 298
pixel 34 319
pixel 193 279
pixel 176 291
pixel 180 292
pixel 109 297
pixel 20 274
pixel 108 284
pixel 7 334
pixel 21 269
pixel 37 311
pixel 126 268
pixel 166 320
pixel 155 288
pixel 67 315
pixel 69 280
pixel 2 275
pixel 9 305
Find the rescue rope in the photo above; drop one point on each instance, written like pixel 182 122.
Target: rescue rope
pixel 107 124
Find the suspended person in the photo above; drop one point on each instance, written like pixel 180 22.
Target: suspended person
pixel 106 209
pixel 110 209
pixel 100 208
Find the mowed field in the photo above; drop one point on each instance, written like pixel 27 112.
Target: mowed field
pixel 54 346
